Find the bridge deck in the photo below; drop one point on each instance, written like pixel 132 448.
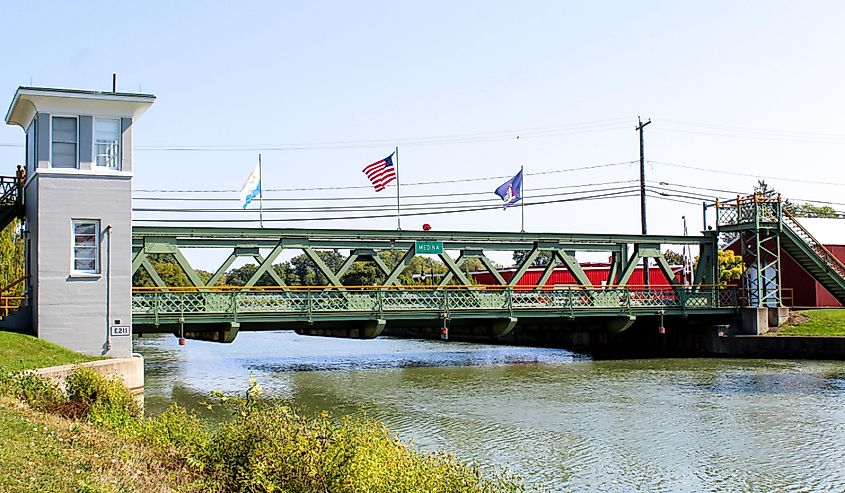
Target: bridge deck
pixel 152 306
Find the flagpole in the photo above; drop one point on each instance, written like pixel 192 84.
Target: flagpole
pixel 260 195
pixel 398 211
pixel 522 192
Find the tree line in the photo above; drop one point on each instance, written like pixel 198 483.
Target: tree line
pixel 301 271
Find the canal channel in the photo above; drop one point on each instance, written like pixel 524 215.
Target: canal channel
pixel 560 420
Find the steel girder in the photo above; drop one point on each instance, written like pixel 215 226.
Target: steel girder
pixel 364 245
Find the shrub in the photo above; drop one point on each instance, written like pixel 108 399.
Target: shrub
pixel 35 390
pixel 104 401
pixel 275 449
pixel 178 435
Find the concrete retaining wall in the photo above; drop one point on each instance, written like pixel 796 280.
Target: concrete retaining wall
pixel 791 347
pixel 130 370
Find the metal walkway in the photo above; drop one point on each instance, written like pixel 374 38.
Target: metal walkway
pixel 764 228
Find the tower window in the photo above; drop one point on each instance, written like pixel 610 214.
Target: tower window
pixel 64 138
pixel 86 246
pixel 107 143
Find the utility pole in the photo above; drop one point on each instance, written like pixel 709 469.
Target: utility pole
pixel 639 128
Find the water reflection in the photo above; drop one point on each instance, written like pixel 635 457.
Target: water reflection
pixel 564 422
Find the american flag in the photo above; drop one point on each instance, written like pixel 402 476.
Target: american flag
pixel 381 173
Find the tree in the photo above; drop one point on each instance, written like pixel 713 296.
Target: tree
pixel 541 260
pixel 241 275
pixel 731 266
pixel 763 188
pixel 12 258
pixel 170 272
pixel 307 272
pixel 673 257
pixel 810 210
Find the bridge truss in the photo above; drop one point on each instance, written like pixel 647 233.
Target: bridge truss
pixel 368 308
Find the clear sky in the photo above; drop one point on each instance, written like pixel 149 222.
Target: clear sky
pixel 753 87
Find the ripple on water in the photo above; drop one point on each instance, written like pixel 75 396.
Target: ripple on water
pixel 562 421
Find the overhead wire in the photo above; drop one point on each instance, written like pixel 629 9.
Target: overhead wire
pixel 411 184
pixel 739 173
pixel 380 207
pixel 609 195
pixel 381 197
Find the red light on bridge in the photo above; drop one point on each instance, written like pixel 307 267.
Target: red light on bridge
pixel 426 227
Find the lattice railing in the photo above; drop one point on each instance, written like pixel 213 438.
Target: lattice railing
pixel 748 209
pixel 829 259
pixel 221 301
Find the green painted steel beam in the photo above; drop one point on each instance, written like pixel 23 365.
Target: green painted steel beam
pixel 491 268
pixel 455 268
pixel 547 272
pixel 404 262
pixel 266 265
pixel 322 267
pixel 574 267
pixel 193 277
pixel 221 271
pixel 395 235
pixel 524 266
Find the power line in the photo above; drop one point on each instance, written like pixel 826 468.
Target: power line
pixel 421 183
pixel 750 175
pixel 610 195
pixel 369 197
pixel 375 207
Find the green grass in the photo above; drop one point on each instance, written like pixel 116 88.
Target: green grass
pixel 48 454
pixel 23 352
pixel 827 322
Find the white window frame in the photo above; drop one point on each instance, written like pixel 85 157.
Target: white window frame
pixel 119 157
pixel 31 145
pixel 75 117
pixel 73 269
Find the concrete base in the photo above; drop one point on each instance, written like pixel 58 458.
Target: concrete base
pixel 755 321
pixel 130 370
pixel 778 316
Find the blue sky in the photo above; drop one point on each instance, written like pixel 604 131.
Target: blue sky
pixel 737 87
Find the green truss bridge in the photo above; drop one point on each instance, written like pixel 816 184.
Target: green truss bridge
pixel 756 227
pixel 206 310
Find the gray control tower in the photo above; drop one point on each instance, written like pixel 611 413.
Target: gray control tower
pixel 77 200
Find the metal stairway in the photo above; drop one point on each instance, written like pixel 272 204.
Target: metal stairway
pixel 813 256
pixel 11 198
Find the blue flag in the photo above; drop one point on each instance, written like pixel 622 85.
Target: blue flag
pixel 511 190
pixel 252 187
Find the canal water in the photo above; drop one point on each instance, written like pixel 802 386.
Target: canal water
pixel 558 419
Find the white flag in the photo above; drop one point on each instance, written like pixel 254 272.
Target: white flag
pixel 252 187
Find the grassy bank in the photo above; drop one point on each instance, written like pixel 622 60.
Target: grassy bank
pixel 46 453
pixel 90 437
pixel 22 352
pixel 827 322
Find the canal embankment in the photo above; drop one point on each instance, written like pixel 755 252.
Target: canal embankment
pixel 86 432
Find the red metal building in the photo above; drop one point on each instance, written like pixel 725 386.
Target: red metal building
pixel 596 272
pixel 799 287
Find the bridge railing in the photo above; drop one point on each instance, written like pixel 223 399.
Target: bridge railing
pixel 332 299
pixel 753 208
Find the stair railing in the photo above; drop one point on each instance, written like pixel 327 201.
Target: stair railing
pixel 10 303
pixel 829 258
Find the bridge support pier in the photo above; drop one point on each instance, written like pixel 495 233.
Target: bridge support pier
pixel 758 320
pixel 620 324
pixel 224 333
pixel 366 330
